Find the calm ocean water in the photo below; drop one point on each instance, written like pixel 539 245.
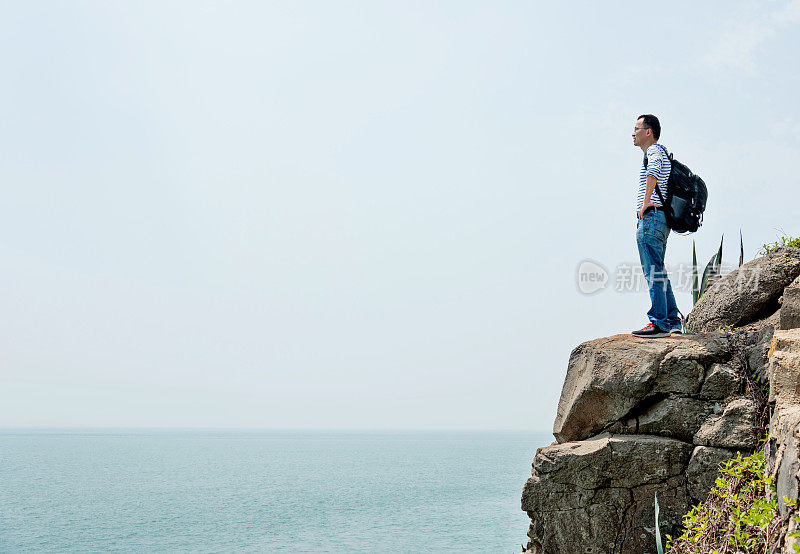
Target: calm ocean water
pixel 263 491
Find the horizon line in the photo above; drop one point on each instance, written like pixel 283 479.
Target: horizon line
pixel 261 429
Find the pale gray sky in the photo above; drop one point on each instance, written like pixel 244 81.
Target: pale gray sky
pixel 356 214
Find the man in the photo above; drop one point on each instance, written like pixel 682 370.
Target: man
pixel 652 230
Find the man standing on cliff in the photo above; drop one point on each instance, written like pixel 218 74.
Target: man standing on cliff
pixel 652 230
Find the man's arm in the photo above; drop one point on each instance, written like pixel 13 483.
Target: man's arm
pixel 648 193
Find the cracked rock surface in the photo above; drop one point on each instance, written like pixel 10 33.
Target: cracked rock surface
pixel 636 418
pixel 599 491
pixel 701 471
pixel 783 448
pixel 733 428
pixel 642 417
pixel 611 379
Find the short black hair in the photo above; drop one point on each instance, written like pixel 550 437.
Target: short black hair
pixel 651 122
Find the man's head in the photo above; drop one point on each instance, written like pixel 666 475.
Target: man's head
pixel 646 131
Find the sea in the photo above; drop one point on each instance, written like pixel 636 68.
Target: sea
pixel 105 490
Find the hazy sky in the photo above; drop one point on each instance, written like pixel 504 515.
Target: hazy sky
pixel 363 214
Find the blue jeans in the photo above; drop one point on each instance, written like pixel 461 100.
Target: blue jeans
pixel 651 238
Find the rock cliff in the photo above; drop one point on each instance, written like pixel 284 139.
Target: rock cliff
pixel 639 417
pixel 783 447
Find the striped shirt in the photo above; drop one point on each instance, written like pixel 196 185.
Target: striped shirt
pixel 658 166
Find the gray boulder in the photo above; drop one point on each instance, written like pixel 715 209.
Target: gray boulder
pixel 757 339
pixel 746 293
pixel 732 428
pixel 599 493
pixel 721 382
pixel 605 379
pixel 783 447
pixel 675 416
pixel 790 308
pixel 784 369
pixel 611 380
pixel 704 468
pixel 783 456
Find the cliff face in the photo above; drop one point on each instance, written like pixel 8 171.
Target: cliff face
pixel 638 417
pixel 783 447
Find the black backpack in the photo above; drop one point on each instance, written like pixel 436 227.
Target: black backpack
pixel 686 197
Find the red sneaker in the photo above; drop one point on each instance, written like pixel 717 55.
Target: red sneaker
pixel 650 331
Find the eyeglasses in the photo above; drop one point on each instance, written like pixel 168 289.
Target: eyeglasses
pixel 639 129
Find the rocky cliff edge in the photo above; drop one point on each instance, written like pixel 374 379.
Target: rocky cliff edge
pixel 639 417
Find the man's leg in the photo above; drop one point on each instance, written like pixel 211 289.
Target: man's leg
pixel 651 240
pixel 673 318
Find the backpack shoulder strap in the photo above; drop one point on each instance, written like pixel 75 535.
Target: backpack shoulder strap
pixel 667 154
pixel 658 189
pixel 660 196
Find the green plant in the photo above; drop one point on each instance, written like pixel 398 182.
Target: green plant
pixel 792 505
pixel 710 273
pixel 783 240
pixel 737 514
pixel 659 546
pixel 741 249
pixel 695 284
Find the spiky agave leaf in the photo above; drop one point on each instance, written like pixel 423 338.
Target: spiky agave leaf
pixel 707 272
pixel 695 285
pixel 741 249
pixel 711 271
pixel 659 546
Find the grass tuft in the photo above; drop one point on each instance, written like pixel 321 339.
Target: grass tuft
pixel 736 517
